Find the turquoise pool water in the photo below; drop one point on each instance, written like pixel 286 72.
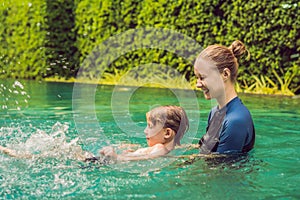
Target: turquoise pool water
pixel 47 118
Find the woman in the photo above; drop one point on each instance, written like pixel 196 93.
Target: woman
pixel 230 127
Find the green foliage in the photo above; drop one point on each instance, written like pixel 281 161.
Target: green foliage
pixel 61 51
pixel 44 38
pixel 22 33
pixel 151 75
pixel 264 85
pixel 271 30
pixel 286 80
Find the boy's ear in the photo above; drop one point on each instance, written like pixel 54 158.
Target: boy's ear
pixel 169 133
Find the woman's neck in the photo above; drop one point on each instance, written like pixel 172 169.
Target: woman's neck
pixel 229 94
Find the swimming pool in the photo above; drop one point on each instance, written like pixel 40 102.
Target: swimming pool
pixel 48 112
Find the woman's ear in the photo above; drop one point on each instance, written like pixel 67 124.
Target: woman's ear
pixel 226 74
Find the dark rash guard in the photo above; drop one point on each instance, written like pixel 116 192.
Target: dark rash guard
pixel 236 132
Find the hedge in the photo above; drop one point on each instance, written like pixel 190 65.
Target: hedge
pixel 22 34
pixel 44 38
pixel 61 52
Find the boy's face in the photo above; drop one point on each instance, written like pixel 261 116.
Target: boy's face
pixel 155 134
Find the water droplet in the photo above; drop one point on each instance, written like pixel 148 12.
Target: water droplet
pixel 17 83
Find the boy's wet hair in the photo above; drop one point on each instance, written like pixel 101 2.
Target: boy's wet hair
pixel 173 117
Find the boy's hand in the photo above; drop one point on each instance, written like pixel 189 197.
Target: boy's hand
pixel 5 150
pixel 109 152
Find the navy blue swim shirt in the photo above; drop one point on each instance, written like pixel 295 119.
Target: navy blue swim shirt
pixel 236 134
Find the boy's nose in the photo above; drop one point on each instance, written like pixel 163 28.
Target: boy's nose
pixel 146 131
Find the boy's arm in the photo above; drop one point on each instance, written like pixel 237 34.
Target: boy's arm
pixel 13 153
pixel 152 152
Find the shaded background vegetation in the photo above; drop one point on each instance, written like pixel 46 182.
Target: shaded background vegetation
pixel 44 38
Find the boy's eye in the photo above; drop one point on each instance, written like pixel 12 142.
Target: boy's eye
pixel 150 125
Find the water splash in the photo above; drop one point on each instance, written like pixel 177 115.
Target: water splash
pixel 53 145
pixel 14 96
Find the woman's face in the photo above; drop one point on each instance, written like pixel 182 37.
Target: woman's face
pixel 209 79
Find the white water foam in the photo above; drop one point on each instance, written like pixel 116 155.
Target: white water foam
pixel 53 145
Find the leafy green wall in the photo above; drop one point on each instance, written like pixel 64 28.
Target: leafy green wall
pixel 61 51
pixel 271 30
pixel 22 34
pixel 41 38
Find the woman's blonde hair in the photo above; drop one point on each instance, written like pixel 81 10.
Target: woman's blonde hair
pixel 226 57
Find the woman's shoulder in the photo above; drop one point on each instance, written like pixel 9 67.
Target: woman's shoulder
pixel 238 113
pixel 238 108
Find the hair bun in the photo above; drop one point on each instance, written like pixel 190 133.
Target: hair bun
pixel 238 49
